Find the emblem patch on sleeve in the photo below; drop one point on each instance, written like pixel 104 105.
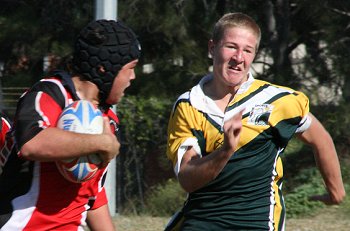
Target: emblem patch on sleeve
pixel 260 114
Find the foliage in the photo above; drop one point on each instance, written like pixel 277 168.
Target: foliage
pixel 33 29
pixel 165 199
pixel 297 201
pixel 143 129
pixel 304 43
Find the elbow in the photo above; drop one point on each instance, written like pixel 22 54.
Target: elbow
pixel 187 183
pixel 27 151
pixel 191 183
pixel 187 186
pixel 32 151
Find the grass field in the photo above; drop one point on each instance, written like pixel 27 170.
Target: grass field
pixel 330 218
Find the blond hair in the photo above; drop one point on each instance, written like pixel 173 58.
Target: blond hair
pixel 230 20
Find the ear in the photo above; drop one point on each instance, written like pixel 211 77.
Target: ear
pixel 101 69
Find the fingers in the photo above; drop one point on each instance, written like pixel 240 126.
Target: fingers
pixel 111 153
pixel 112 144
pixel 325 198
pixel 232 130
pixel 234 124
pixel 322 198
pixel 106 125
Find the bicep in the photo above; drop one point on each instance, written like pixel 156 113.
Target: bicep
pixel 316 136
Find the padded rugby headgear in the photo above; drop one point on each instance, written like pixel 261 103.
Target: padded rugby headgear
pixel 105 45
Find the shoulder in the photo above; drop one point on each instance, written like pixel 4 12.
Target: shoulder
pixel 53 87
pixel 5 123
pixel 5 126
pixel 184 97
pixel 275 89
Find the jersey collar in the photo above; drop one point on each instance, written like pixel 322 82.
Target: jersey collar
pixel 205 104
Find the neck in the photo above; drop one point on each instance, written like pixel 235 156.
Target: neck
pixel 86 90
pixel 222 97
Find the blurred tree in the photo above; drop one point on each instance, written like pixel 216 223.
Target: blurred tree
pixel 303 42
pixel 33 29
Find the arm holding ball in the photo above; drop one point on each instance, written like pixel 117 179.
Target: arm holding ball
pixel 55 144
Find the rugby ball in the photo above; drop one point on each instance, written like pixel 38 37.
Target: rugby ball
pixel 81 117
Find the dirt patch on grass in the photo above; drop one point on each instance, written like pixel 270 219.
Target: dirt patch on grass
pixel 330 218
pixel 140 223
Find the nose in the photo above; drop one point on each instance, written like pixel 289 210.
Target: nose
pixel 238 56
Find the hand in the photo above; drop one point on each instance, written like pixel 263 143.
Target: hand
pixel 112 147
pixel 325 198
pixel 232 131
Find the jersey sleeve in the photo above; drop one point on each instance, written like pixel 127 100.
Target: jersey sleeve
pixel 99 200
pixel 290 116
pixel 38 109
pixel 180 134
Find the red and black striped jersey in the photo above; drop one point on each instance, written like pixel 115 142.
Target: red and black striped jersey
pixel 34 195
pixel 6 141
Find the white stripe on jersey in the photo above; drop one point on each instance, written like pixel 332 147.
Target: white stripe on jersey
pixel 44 120
pixel 24 206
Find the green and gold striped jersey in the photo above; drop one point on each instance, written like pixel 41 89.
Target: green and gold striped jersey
pixel 247 193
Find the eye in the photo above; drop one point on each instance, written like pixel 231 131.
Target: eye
pixel 231 46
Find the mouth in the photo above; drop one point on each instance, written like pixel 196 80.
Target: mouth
pixel 234 68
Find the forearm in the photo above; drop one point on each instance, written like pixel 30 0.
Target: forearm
pixel 196 172
pixel 326 159
pixel 328 164
pixel 53 144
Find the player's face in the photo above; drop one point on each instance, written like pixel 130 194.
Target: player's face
pixel 121 82
pixel 233 55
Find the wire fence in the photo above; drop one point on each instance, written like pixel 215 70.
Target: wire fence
pixel 9 98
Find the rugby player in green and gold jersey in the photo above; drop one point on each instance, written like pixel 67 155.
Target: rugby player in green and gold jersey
pixel 226 136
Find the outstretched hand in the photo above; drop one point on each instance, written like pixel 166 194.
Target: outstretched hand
pixel 325 198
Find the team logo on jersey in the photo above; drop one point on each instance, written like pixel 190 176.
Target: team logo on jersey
pixel 260 114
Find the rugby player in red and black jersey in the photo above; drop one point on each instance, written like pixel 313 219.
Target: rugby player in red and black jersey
pixel 6 141
pixel 33 194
